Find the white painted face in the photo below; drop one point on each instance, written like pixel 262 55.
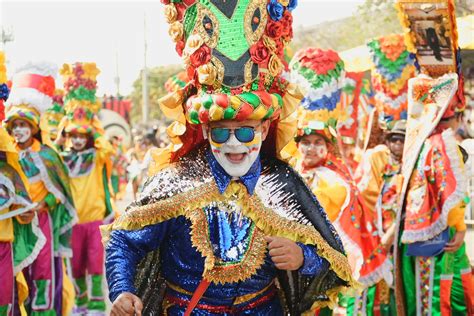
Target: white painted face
pixel 236 157
pixel 79 142
pixel 21 131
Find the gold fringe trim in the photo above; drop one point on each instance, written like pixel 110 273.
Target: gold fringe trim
pixel 267 223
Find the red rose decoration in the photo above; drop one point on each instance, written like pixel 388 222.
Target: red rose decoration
pixel 259 53
pixel 165 2
pixel 274 29
pixel 287 22
pixel 181 9
pixel 180 47
pixel 191 73
pixel 201 56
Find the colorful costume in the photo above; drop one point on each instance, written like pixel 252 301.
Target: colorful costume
pixel 321 73
pixel 379 179
pixel 31 94
pixel 204 228
pixel 433 194
pixel 20 242
pixel 89 172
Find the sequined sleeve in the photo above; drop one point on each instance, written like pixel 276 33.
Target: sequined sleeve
pixel 313 264
pixel 124 251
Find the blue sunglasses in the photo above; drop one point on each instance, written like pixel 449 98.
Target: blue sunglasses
pixel 221 135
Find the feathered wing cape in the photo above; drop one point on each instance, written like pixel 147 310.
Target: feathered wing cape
pixel 282 205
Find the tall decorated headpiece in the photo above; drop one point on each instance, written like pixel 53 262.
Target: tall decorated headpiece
pixel 393 66
pixel 54 115
pixel 233 53
pixel 320 74
pixel 31 94
pixel 351 99
pixel 80 102
pixel 432 36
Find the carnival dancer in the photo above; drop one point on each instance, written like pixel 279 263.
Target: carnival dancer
pixel 88 159
pixel 379 179
pixel 48 183
pixel 227 217
pixel 321 74
pixel 20 237
pixel 433 273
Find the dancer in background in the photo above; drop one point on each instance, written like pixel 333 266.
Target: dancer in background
pixel 87 155
pixel 48 183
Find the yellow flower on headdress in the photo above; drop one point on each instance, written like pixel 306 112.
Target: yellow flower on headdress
pixel 275 65
pixel 176 31
pixel 2 57
pixel 171 13
pixel 207 74
pixel 90 71
pixel 192 44
pixel 66 71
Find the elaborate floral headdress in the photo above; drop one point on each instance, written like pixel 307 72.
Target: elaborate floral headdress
pixel 234 56
pixel 393 66
pixel 320 74
pixel 80 102
pixel 439 22
pixel 31 94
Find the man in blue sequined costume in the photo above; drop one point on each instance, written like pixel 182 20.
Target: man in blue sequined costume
pixel 223 225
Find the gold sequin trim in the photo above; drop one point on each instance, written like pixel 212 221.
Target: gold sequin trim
pixel 202 11
pixel 251 36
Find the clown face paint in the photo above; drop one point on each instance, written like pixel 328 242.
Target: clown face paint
pixel 21 131
pixel 79 141
pixel 313 149
pixel 236 157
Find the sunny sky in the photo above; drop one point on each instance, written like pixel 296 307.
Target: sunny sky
pixel 109 31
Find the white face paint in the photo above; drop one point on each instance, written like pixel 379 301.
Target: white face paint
pixel 235 157
pixel 21 134
pixel 78 143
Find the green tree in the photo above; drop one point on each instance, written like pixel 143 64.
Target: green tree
pixel 157 77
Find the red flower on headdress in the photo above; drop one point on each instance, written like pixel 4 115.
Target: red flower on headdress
pixel 259 53
pixel 180 47
pixel 181 9
pixel 201 56
pixel 287 22
pixel 274 29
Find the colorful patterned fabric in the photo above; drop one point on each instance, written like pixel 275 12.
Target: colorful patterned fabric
pixel 393 66
pixel 440 285
pixel 350 217
pixel 45 165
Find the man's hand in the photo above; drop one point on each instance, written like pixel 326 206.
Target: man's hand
pixel 456 242
pixel 27 217
pixel 127 304
pixel 285 253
